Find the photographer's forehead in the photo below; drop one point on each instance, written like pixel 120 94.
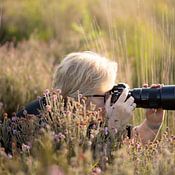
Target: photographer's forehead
pixel 106 86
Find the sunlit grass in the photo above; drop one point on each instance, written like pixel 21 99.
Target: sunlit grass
pixel 138 34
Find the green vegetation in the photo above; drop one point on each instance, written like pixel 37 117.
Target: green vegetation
pixel 36 34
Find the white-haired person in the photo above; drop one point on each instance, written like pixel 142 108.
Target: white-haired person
pixel 93 76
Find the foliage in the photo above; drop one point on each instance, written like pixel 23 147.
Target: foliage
pixel 35 36
pixel 61 141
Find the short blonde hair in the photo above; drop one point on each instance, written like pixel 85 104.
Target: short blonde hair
pixel 85 72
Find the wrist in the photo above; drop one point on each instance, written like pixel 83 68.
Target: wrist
pixel 144 132
pixel 153 126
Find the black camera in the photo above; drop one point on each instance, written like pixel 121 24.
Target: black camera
pixel 162 97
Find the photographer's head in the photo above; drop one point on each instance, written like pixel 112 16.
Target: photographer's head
pixel 86 72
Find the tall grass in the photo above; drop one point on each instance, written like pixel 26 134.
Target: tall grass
pixel 25 72
pixel 75 140
pixel 35 35
pixel 139 35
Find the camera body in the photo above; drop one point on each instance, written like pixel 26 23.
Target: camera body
pixel 162 97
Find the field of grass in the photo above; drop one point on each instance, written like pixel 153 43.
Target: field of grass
pixel 35 35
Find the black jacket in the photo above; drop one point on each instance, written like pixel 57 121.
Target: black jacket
pixel 33 107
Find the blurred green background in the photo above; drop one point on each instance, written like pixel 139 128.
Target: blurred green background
pixel 36 34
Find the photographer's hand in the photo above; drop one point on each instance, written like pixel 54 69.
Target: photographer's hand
pixel 154 118
pixel 120 112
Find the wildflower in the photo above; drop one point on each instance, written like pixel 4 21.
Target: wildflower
pixel 58 91
pixel 25 112
pixel 61 136
pixel 14 118
pixel 54 97
pixel 138 146
pixel 68 113
pixel 115 130
pixel 100 109
pixel 89 143
pixel 25 148
pixel 83 123
pixel 5 115
pixel 48 108
pixel 56 138
pixel 95 113
pixel 66 132
pixel 9 156
pixel 80 95
pixel 47 92
pixel 106 130
pixel 96 171
pixel 92 136
pixel 94 126
pixel 14 131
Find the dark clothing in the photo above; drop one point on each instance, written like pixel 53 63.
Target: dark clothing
pixel 33 107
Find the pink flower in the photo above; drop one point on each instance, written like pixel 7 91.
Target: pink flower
pixel 92 136
pixel 58 91
pixel 138 146
pixel 68 113
pixel 47 92
pixel 54 97
pixel 58 137
pixel 25 147
pixel 48 108
pixel 14 118
pixel 80 95
pixel 96 171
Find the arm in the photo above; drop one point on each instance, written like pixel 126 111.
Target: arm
pixel 148 130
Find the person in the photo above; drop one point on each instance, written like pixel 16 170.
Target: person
pixel 93 76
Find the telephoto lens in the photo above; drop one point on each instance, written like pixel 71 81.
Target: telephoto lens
pixel 161 97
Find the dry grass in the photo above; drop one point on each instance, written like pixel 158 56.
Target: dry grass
pixel 139 35
pixel 58 143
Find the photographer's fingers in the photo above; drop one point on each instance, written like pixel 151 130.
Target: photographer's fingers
pixel 129 101
pixel 123 96
pixel 132 107
pixel 155 85
pixel 145 85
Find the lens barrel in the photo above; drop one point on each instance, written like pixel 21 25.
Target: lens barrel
pixel 162 97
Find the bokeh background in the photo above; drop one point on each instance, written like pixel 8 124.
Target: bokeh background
pixel 36 34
